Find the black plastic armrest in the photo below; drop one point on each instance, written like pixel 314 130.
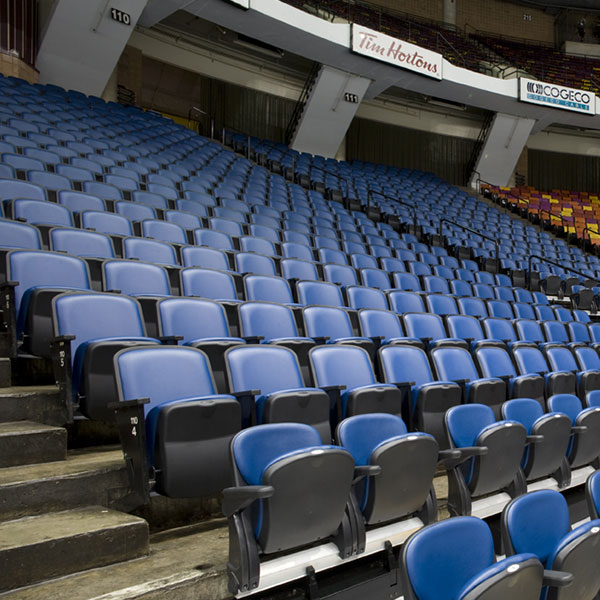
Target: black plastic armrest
pixel 464 455
pixel 114 291
pixel 505 378
pixel 322 339
pixel 534 439
pixel 426 341
pixel 333 388
pixel 362 471
pixel 236 499
pixel 63 338
pixel 245 393
pixel 254 339
pixel 6 284
pixel 170 340
pixel 579 429
pixel 126 404
pixel 450 454
pixel 469 340
pixel 506 342
pixel 557 578
pixel 469 451
pixel 404 385
pixel 377 338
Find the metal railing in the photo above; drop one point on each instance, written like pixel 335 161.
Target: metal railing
pixel 295 118
pixel 474 231
pixel 413 207
pixel 552 262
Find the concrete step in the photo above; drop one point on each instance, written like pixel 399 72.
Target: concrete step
pixel 38 548
pixel 183 564
pixel 5 372
pixel 40 403
pixel 26 442
pixel 86 477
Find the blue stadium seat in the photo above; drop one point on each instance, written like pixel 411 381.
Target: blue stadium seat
pixel 19 235
pixel 169 390
pixel 351 367
pixel 39 276
pixel 150 251
pixel 561 358
pixel 163 231
pixel 268 382
pixel 429 328
pixel 201 324
pixel 495 449
pixel 274 465
pixel 208 283
pixel 549 435
pixel 101 325
pixel 456 364
pixel 366 297
pixel 108 223
pixel 294 269
pixel 455 559
pixel 407 461
pixel 404 302
pixel 319 292
pixel 257 264
pixel 529 359
pixel 538 522
pixel 134 211
pixel 584 446
pixel 496 362
pixel 429 399
pixel 36 212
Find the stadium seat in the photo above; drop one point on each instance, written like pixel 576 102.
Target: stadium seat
pixel 538 522
pixel 91 329
pixel 189 428
pixel 429 399
pixel 456 364
pixel 584 447
pixel 201 324
pixel 548 438
pixel 407 461
pixel 455 559
pixel 494 450
pixel 270 387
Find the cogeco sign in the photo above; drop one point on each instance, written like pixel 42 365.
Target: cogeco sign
pixel 557 96
pixel 396 52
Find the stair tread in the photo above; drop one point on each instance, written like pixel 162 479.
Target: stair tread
pixel 26 390
pixel 77 462
pixel 26 427
pixel 189 562
pixel 52 526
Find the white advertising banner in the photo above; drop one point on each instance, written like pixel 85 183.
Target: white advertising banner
pixel 379 46
pixel 242 3
pixel 557 96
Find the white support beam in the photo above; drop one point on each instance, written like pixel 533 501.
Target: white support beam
pixel 82 43
pixel 327 113
pixel 502 147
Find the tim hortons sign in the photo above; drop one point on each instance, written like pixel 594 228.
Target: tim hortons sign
pixel 557 96
pixel 396 52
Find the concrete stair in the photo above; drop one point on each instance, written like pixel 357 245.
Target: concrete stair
pixel 57 506
pixel 26 442
pixel 36 548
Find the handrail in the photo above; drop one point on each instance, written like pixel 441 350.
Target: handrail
pixel 234 130
pixel 301 102
pixel 412 206
pixel 204 114
pixel 487 237
pixel 552 262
